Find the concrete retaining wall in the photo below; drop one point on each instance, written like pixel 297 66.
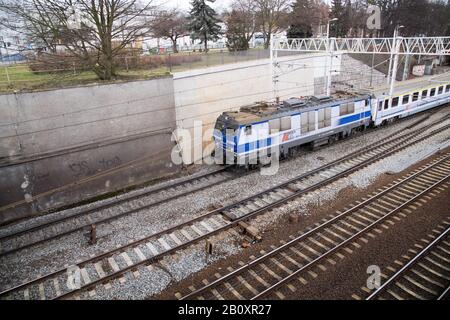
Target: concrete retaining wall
pixel 95 134
pixel 202 95
pixel 52 139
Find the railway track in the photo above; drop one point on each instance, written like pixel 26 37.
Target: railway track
pixel 37 234
pixel 276 274
pixel 425 276
pixel 105 213
pixel 113 264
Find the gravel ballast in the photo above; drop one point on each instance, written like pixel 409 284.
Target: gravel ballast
pixel 57 254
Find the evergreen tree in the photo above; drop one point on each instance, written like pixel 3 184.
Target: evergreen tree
pixel 301 19
pixel 203 22
pixel 299 31
pixel 338 10
pixel 240 30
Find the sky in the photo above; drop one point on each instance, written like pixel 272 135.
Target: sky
pixel 218 5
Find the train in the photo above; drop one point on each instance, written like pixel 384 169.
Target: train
pixel 253 134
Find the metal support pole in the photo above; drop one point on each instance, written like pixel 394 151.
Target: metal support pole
pixel 273 61
pixel 93 238
pixel 330 70
pixel 406 69
pixel 392 56
pixel 395 66
pixel 388 81
pixel 325 70
pixel 371 70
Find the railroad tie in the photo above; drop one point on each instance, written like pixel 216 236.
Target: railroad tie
pixel 186 235
pixel 152 249
pixel 127 259
pixel 175 239
pixel 258 278
pixel 113 264
pixel 248 286
pixel 233 291
pixel 98 267
pixel 196 230
pixel 140 255
pixel 164 244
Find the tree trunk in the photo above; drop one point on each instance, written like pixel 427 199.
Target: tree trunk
pixel 174 45
pixel 206 42
pixel 104 68
pixel 106 63
pixel 267 43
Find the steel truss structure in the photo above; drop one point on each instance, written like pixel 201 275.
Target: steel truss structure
pixel 396 46
pixel 434 46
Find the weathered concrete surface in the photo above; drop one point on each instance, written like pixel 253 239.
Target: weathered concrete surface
pixel 113 135
pixel 202 95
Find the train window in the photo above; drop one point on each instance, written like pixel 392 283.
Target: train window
pixel 304 117
pixel 441 90
pixel 395 102
pixel 324 118
pixel 424 94
pixel 386 104
pixel 447 88
pixel 380 105
pixel 405 99
pixel 321 117
pixel 274 126
pixel 347 109
pixel 351 108
pixel 415 96
pixel 286 124
pixel 328 117
pixel 248 130
pixel 311 121
pixel 433 92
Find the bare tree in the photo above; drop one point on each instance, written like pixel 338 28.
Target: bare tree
pixel 241 24
pixel 272 16
pixel 93 31
pixel 171 25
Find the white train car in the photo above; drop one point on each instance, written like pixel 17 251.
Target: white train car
pixel 244 137
pixel 410 98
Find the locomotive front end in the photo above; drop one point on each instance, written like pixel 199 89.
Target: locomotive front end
pixel 225 139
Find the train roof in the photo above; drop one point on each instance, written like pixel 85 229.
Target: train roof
pixel 263 111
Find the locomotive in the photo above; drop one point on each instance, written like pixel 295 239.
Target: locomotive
pixel 252 133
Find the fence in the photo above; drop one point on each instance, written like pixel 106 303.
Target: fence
pixel 29 74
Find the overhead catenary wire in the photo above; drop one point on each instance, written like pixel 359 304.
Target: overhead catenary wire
pixel 159 96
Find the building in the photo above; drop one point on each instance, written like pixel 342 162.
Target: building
pixel 13 44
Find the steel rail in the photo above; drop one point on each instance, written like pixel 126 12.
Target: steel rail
pixel 314 230
pixel 109 205
pixel 235 222
pixel 245 217
pixel 408 265
pixel 109 219
pixel 351 239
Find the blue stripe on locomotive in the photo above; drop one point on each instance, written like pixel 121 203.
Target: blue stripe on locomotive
pixel 355 117
pixel 256 145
